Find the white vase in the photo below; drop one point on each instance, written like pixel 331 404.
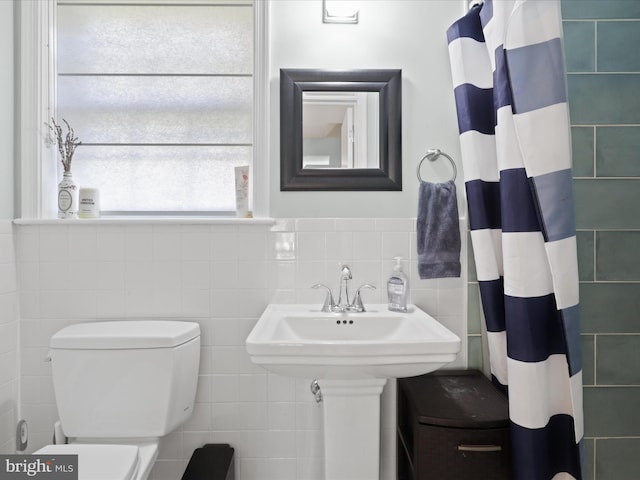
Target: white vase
pixel 67 197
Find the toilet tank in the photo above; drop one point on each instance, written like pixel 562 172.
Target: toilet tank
pixel 125 379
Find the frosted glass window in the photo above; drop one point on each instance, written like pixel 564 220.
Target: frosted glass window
pixel 138 109
pixel 162 178
pixel 160 38
pixel 161 95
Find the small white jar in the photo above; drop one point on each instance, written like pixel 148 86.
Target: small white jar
pixel 89 203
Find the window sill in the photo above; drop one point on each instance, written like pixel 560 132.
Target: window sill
pixel 146 220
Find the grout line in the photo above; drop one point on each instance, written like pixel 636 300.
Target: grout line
pixel 608 230
pixel 615 334
pixel 595 270
pixel 595 449
pixel 591 20
pixel 595 146
pixel 604 125
pixel 595 46
pixel 599 74
pixel 611 282
pixel 575 178
pixel 595 359
pixel 604 385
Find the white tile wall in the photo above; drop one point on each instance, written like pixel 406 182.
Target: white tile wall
pixel 8 339
pixel 223 277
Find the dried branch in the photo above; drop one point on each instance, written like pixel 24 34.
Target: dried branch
pixel 66 147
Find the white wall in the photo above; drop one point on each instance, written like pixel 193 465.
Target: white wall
pixel 8 286
pixel 405 34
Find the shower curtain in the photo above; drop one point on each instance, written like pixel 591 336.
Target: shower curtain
pixel 509 81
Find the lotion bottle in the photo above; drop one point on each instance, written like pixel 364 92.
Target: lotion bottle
pixel 398 288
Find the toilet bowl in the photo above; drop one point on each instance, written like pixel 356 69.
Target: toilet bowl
pixel 119 387
pixel 101 462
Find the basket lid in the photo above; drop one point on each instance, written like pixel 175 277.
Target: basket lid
pixel 456 398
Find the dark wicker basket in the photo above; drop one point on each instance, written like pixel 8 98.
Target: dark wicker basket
pixel 452 426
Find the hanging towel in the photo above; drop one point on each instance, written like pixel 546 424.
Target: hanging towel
pixel 438 231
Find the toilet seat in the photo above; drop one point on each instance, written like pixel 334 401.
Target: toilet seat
pixel 99 462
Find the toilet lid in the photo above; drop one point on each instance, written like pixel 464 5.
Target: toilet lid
pixel 99 462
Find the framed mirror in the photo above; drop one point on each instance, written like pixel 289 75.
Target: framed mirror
pixel 340 130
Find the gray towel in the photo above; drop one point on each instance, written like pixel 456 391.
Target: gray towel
pixel 438 231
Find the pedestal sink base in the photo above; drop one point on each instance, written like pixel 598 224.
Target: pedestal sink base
pixel 352 428
pixel 351 355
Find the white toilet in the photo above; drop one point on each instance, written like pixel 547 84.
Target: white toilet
pixel 120 386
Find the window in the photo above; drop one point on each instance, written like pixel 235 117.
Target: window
pixel 161 95
pixel 167 97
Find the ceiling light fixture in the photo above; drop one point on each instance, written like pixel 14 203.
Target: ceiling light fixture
pixel 339 11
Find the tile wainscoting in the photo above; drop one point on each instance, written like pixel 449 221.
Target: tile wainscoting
pixel 8 339
pixel 222 276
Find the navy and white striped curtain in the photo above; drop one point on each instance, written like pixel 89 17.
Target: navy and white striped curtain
pixel 508 71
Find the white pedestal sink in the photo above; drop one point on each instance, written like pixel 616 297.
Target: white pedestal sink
pixel 351 355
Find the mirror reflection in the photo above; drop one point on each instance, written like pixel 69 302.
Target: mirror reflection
pixel 340 130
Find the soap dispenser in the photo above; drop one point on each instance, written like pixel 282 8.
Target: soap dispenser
pixel 398 288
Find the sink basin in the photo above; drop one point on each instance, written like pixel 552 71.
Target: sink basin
pixel 301 341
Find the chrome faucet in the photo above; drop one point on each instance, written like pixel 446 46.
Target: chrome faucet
pixel 343 295
pixel 344 305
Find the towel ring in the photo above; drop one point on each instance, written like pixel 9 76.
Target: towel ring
pixel 432 155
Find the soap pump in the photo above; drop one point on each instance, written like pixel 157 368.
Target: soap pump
pixel 398 288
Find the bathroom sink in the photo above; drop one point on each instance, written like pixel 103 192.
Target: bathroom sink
pixel 302 341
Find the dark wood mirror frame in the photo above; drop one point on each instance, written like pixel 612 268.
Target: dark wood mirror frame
pixel 388 83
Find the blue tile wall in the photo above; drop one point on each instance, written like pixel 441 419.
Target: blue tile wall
pixel 618 151
pixel 588 359
pixel 603 66
pixel 619 357
pixel 586 263
pixel 600 9
pixel 597 99
pixel 617 257
pixel 583 139
pixel 618 459
pixel 609 307
pixel 580 46
pixel 615 46
pixel 612 412
pixel 605 203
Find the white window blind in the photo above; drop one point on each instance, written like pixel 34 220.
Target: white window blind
pixel 161 95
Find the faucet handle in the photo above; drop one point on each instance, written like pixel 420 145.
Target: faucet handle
pixel 357 302
pixel 329 303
